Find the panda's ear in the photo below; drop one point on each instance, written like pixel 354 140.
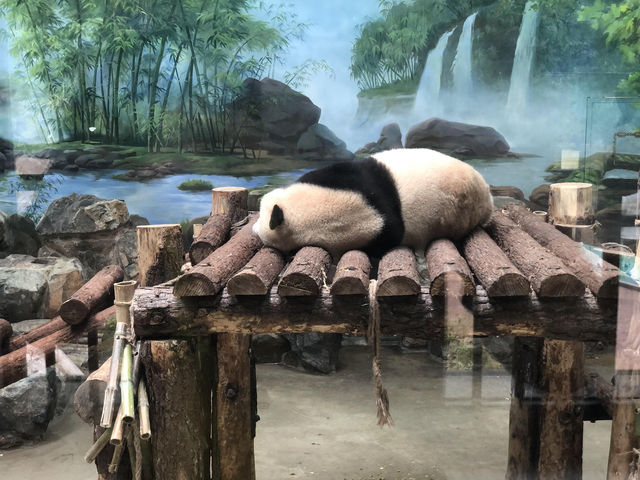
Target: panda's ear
pixel 277 217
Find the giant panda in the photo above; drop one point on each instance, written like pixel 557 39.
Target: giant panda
pixel 397 197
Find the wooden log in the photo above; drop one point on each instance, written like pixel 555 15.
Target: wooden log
pixel 492 267
pixel 160 253
pixel 233 457
pixel 599 276
pixel 443 262
pixel 600 389
pixel 306 274
pixel 548 275
pixel 213 234
pixel 352 274
pixel 6 330
pixel 89 397
pixel 398 274
pixel 197 229
pixel 96 293
pixel 258 275
pixel 230 201
pixel 524 412
pixel 13 366
pixel 571 204
pixel 159 314
pixel 211 275
pixel 562 385
pixel 52 326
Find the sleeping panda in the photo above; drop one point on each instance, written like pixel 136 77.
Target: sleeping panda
pixel 397 197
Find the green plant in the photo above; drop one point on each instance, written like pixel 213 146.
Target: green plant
pixel 38 192
pixel 195 185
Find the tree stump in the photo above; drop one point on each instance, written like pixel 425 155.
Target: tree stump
pixel 160 253
pixel 571 204
pixel 230 201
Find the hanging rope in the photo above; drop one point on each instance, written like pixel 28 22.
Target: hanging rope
pixel 373 339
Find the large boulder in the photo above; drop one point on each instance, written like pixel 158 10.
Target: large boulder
pixel 5 145
pixel 457 138
pixel 540 196
pixel 314 352
pixel 63 277
pixel 318 142
pixel 18 235
pixel 390 138
pixel 22 293
pixel 269 115
pixel 98 232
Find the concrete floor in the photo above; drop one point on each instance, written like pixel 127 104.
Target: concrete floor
pixel 324 427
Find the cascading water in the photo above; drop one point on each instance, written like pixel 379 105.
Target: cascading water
pixel 462 82
pixel 523 61
pixel 428 93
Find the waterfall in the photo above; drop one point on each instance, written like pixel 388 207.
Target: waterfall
pixel 462 82
pixel 522 61
pixel 428 91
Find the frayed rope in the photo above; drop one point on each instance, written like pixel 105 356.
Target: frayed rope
pixel 373 339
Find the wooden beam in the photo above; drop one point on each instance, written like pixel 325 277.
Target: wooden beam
pixel 599 276
pixel 548 275
pixel 492 267
pixel 444 261
pixel 159 314
pixel 96 293
pixel 352 274
pixel 306 274
pixel 212 235
pixel 52 326
pixel 398 274
pixel 211 275
pixel 258 275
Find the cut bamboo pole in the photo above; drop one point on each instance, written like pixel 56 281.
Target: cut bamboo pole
pixel 117 433
pixel 98 446
pixel 126 386
pixel 143 411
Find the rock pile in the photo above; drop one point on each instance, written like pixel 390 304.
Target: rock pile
pixel 6 155
pixel 92 158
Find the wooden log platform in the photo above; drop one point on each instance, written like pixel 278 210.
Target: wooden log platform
pixel 398 274
pixel 549 277
pixel 213 234
pixel 306 274
pixel 97 292
pixel 258 275
pixel 599 276
pixel 352 274
pixel 444 261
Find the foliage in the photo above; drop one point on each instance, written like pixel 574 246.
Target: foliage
pixel 38 192
pixel 195 185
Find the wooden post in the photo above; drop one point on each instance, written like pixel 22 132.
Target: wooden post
pixel 233 457
pixel 177 372
pixel 571 204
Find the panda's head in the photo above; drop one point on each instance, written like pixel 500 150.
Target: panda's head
pixel 276 224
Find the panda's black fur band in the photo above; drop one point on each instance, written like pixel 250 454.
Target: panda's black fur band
pixel 374 182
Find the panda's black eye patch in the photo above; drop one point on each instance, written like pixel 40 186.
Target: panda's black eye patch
pixel 277 217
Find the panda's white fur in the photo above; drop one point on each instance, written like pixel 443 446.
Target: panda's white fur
pixel 439 197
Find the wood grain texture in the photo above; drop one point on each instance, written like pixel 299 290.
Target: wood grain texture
pixel 96 293
pixel 352 274
pixel 160 253
pixel 306 274
pixel 398 274
pixel 89 397
pixel 493 269
pixel 230 201
pixel 213 234
pixel 212 274
pixel 599 276
pixel 257 276
pixel 443 262
pixel 6 330
pixel 571 204
pixel 548 276
pixel 52 326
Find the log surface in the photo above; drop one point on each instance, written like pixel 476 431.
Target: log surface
pixel 52 326
pixel 571 204
pixel 306 274
pixel 230 201
pixel 548 275
pixel 444 261
pixel 96 293
pixel 213 234
pixel 211 275
pixel 89 397
pixel 493 269
pixel 159 253
pixel 398 274
pixel 6 330
pixel 13 366
pixel 352 274
pixel 599 276
pixel 258 275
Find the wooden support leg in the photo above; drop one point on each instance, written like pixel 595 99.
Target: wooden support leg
pixel 562 383
pixel 233 456
pixel 524 414
pixel 93 362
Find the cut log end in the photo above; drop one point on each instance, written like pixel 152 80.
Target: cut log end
pixel 398 287
pixel 440 285
pixel 561 285
pixel 348 286
pixel 193 285
pixel 510 285
pixel 246 283
pixel 352 274
pixel 298 285
pixel 74 311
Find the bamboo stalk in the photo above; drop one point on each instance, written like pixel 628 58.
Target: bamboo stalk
pixel 143 411
pixel 98 446
pixel 115 460
pixel 126 386
pixel 117 433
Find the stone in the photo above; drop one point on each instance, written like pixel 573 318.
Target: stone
pixel 3 162
pixel 82 213
pixel 269 347
pixel 500 202
pixel 64 276
pixel 314 352
pixel 390 137
pixel 71 168
pixel 5 145
pixel 540 196
pixel 32 166
pixel 60 162
pixel 272 115
pixel 507 191
pixel 26 408
pixel 464 138
pixel 22 294
pixel 99 163
pixel 49 153
pixel 84 159
pixel 18 235
pixel 318 142
pixel 71 155
pixel 621 179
